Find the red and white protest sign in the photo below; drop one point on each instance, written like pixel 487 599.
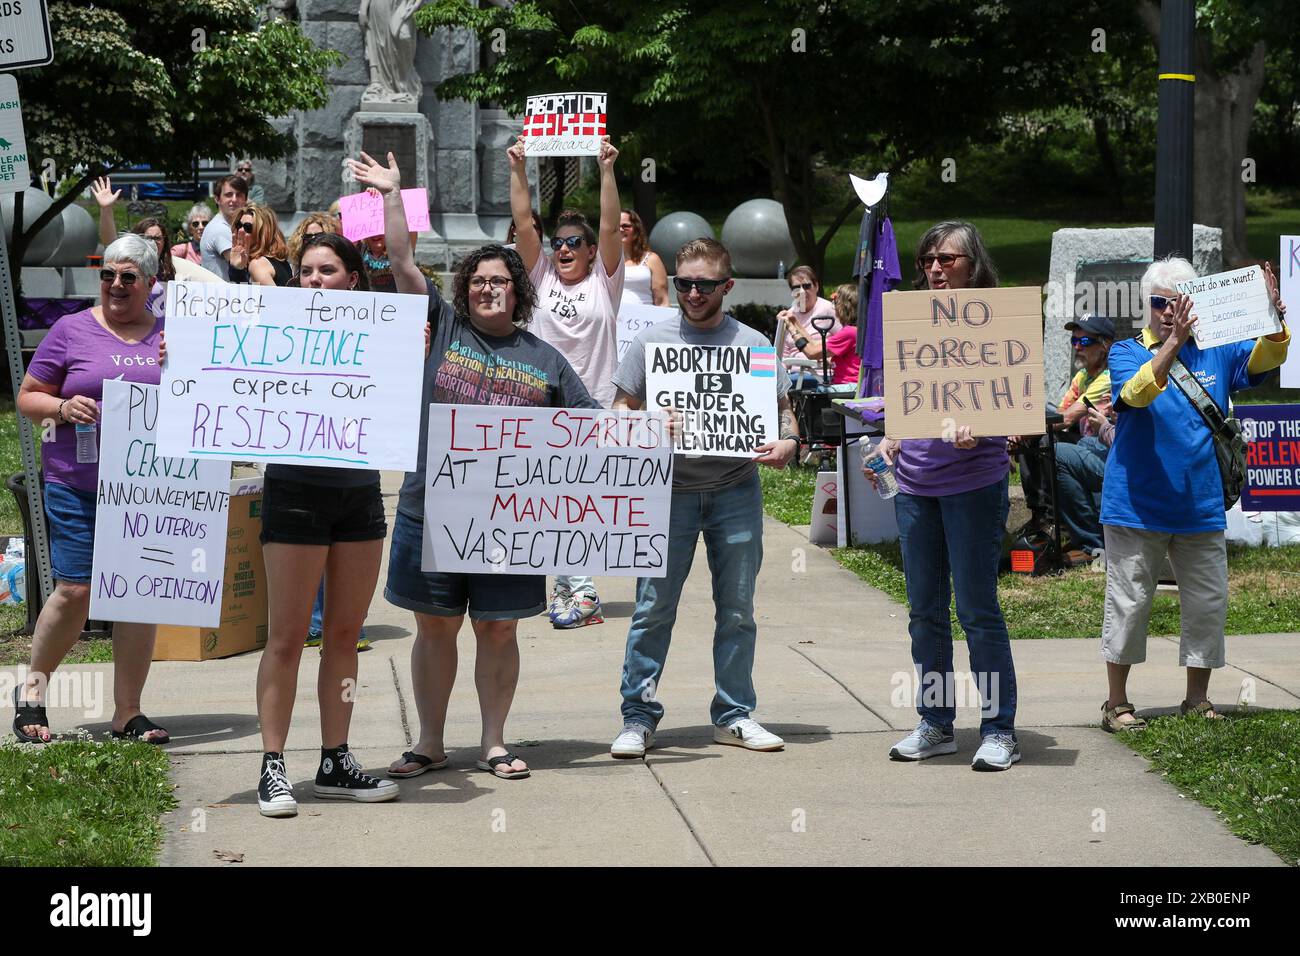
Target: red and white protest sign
pixel 363 213
pixel 564 124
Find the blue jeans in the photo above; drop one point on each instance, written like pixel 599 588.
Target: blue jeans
pixel 958 535
pixel 318 614
pixel 1079 471
pixel 731 520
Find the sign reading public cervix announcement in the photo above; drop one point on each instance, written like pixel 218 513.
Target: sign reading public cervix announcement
pixel 964 357
pixel 726 394
pixel 1272 457
pixel 521 490
pixel 292 376
pixel 1230 307
pixel 160 523
pixel 564 124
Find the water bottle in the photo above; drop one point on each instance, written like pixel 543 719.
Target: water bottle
pixel 780 269
pixel 873 458
pixel 87 448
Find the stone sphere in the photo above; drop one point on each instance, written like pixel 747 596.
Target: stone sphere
pixel 675 230
pixel 35 202
pixel 80 238
pixel 758 238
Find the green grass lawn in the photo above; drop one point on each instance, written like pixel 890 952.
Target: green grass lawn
pixel 1246 769
pixel 82 803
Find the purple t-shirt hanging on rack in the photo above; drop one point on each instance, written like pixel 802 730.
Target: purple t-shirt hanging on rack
pixel 885 276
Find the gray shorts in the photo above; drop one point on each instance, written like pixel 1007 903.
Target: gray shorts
pixel 1133 562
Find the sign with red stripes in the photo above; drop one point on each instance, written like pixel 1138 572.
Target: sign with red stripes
pixel 564 124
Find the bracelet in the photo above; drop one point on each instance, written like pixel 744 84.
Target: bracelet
pixel 800 343
pixel 63 418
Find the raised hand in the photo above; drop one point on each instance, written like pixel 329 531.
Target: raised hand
pixel 515 154
pixel 102 190
pixel 1184 318
pixel 1274 293
pixel 608 153
pixel 370 173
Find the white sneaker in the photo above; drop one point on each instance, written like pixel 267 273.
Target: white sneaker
pixel 924 742
pixel 997 752
pixel 558 607
pixel 634 741
pixel 748 733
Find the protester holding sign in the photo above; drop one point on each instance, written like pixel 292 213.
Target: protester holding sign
pixel 61 392
pixel 480 354
pixel 952 511
pixel 1177 508
pixel 578 294
pixel 718 497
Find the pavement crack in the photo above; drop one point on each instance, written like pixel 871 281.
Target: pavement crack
pixel 401 700
pixel 1174 639
pixel 845 687
pixel 699 841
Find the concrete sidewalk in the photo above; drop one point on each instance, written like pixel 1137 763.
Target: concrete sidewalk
pixel 833 677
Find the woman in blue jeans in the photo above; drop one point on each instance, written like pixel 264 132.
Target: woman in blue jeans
pixel 952 511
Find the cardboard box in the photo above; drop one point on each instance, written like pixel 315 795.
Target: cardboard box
pixel 243 591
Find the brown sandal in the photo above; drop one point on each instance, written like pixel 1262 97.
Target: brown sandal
pixel 1203 709
pixel 1110 718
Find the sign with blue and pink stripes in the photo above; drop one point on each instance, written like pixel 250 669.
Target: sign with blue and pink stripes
pixel 726 394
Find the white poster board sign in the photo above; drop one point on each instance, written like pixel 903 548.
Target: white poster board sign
pixel 1230 307
pixel 726 394
pixel 293 376
pixel 823 526
pixel 14 172
pixel 633 318
pixel 160 523
pixel 522 490
pixel 564 124
pixel 1289 285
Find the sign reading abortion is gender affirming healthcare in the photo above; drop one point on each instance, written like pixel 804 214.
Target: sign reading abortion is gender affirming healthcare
pixel 564 124
pixel 1230 307
pixel 964 357
pixel 160 523
pixel 726 394
pixel 547 491
pixel 292 376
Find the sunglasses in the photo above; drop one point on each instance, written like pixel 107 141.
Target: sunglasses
pixel 624 226
pixel 1161 302
pixel 573 242
pixel 128 278
pixel 945 259
pixel 198 222
pixel 1083 341
pixel 476 283
pixel 243 169
pixel 245 227
pixel 806 286
pixel 706 286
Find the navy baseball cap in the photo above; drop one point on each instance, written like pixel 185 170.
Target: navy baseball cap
pixel 1090 324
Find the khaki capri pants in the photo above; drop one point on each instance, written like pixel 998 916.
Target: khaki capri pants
pixel 1133 561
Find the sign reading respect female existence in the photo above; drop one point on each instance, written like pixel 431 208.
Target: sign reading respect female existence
pixel 292 376
pixel 520 490
pixel 1230 307
pixel 564 124
pixel 726 394
pixel 964 357
pixel 160 523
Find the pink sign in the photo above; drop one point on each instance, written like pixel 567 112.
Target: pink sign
pixel 363 213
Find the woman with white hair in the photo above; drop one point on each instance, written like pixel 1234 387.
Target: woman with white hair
pixel 196 220
pixel 116 339
pixel 1163 491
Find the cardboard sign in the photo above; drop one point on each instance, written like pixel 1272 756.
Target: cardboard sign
pixel 1230 307
pixel 294 376
pixel 14 173
pixel 547 491
pixel 964 357
pixel 363 213
pixel 1272 457
pixel 564 124
pixel 1289 285
pixel 160 523
pixel 633 318
pixel 726 394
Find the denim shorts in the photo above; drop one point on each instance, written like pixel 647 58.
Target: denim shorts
pixel 295 512
pixel 71 517
pixel 489 597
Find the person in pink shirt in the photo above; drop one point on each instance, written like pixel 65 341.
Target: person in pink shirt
pixel 806 304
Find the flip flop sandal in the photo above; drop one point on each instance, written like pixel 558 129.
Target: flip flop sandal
pixel 26 714
pixel 492 765
pixel 425 764
pixel 137 727
pixel 1111 723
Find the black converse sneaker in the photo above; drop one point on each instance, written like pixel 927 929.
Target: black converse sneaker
pixel 340 777
pixel 274 791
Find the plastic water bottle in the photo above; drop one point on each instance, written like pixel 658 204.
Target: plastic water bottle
pixel 780 269
pixel 873 458
pixel 87 448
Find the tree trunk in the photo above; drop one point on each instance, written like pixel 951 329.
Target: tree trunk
pixel 644 200
pixel 1109 163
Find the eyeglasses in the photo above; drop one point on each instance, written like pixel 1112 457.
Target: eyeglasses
pixel 245 227
pixel 573 242
pixel 706 286
pixel 243 169
pixel 1083 341
pixel 476 283
pixel 127 278
pixel 624 226
pixel 945 259
pixel 806 286
pixel 1161 302
pixel 195 223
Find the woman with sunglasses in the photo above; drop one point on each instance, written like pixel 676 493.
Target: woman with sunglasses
pixel 258 253
pixel 579 289
pixel 801 337
pixel 196 220
pixel 646 281
pixel 952 512
pixel 64 384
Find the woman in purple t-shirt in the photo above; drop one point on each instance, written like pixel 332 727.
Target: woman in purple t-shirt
pixel 117 339
pixel 952 512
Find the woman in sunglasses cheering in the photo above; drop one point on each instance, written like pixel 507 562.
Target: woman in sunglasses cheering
pixel 578 294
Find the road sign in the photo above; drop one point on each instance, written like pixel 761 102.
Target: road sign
pixel 14 174
pixel 24 34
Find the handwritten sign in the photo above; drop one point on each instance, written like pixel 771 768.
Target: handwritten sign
pixel 294 376
pixel 823 525
pixel 1289 286
pixel 564 124
pixel 547 491
pixel 363 213
pixel 160 523
pixel 727 396
pixel 964 357
pixel 1230 307
pixel 633 318
pixel 1272 457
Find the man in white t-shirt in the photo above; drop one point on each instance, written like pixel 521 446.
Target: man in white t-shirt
pixel 578 292
pixel 214 245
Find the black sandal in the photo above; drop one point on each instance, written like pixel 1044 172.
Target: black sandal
pixel 492 765
pixel 26 714
pixel 137 727
pixel 422 763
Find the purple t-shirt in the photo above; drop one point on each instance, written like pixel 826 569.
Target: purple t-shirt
pixel 77 356
pixel 885 276
pixel 932 467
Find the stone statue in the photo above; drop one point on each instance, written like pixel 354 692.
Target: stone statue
pixel 281 10
pixel 390 36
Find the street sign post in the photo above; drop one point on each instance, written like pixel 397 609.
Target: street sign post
pixel 25 35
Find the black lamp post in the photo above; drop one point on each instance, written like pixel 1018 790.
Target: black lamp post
pixel 1177 88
